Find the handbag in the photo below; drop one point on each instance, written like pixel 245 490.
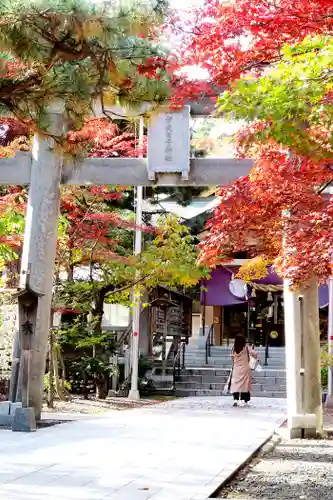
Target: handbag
pixel 253 362
pixel 226 389
pixel 227 386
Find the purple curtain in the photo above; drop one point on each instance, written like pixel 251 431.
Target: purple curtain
pixel 218 293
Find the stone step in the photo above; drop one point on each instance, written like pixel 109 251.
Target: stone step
pixel 210 392
pixel 215 348
pixel 211 359
pixel 270 380
pixel 225 352
pixel 227 356
pixel 218 386
pixel 200 370
pixel 222 356
pixel 199 379
pixel 230 347
pixel 227 366
pixel 259 378
pixel 215 361
pixel 220 371
pixel 217 352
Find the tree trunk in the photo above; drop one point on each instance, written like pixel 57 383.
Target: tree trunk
pixel 97 318
pixel 70 274
pixel 12 273
pixel 98 311
pixel 101 390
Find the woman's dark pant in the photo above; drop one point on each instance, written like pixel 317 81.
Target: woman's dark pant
pixel 243 396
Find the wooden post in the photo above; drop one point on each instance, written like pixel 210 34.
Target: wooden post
pixel 40 244
pixel 24 418
pixel 28 303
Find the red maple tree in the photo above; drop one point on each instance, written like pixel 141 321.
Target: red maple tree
pixel 280 197
pixel 102 138
pixel 88 210
pixel 229 39
pixel 242 38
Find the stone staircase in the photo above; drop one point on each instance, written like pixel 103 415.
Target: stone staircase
pixel 201 379
pixel 220 357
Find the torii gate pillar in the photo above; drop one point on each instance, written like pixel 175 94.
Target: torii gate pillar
pixel 39 247
pixel 305 413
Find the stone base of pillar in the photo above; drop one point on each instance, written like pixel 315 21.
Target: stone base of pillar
pixel 303 425
pixel 24 420
pixel 134 395
pixel 302 433
pixel 329 402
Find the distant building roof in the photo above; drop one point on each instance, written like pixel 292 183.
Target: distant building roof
pixel 196 207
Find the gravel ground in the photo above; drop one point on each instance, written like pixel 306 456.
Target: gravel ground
pixel 297 469
pixel 92 406
pixel 79 407
pixel 328 417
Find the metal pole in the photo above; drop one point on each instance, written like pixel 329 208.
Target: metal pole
pixel 203 319
pixel 330 335
pixel 134 393
pixel 266 349
pixel 248 319
pixel 302 371
pixel 164 346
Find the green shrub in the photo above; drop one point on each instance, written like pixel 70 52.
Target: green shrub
pixel 326 359
pixel 65 384
pixel 145 384
pixel 324 377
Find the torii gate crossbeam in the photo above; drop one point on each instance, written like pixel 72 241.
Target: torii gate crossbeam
pixel 128 172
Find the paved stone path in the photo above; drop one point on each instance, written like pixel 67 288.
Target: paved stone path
pixel 179 450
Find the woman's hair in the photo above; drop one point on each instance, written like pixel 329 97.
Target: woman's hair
pixel 239 343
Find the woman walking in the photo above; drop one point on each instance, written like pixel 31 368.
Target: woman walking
pixel 241 375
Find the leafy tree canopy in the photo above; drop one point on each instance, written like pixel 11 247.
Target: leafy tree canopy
pixel 232 38
pixel 79 51
pixel 275 57
pixel 294 100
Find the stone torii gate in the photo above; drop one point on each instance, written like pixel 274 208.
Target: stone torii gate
pixel 168 164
